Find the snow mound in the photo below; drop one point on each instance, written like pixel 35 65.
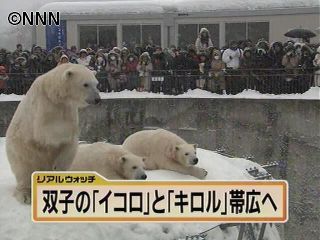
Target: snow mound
pixel 15 219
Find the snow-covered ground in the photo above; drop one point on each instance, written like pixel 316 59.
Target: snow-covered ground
pixel 312 94
pixel 16 224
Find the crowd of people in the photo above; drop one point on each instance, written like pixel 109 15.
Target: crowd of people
pixel 266 67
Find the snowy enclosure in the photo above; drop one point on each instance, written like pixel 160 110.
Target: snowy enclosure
pixel 15 220
pixel 283 130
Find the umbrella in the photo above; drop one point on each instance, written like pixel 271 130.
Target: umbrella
pixel 300 33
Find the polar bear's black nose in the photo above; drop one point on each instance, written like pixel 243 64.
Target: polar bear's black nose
pixel 144 176
pixel 195 161
pixel 97 100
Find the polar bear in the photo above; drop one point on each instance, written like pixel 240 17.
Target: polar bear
pixel 43 133
pixel 111 161
pixel 165 150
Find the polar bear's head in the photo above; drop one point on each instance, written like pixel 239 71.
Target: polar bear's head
pixel 72 83
pixel 186 154
pixel 132 167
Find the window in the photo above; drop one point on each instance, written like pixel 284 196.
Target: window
pixel 250 30
pixel 151 34
pixel 258 30
pixel 98 36
pixel 131 35
pixel 235 32
pixel 88 36
pixel 107 36
pixel 188 33
pixel 141 34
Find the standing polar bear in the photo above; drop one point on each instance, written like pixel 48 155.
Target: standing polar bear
pixel 111 161
pixel 43 133
pixel 165 150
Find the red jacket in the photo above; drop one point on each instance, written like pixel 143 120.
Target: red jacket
pixel 131 66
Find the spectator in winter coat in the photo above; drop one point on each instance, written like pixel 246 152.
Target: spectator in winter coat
pixel 306 59
pixel 203 41
pixel 316 64
pixel 247 61
pixel 216 82
pixel 18 51
pixel 232 55
pixel 204 66
pixel 290 60
pixel 64 59
pixel 99 63
pixel 159 65
pixel 261 58
pixel 3 79
pixel 113 69
pixel 276 54
pixel 144 68
pixel 131 71
pixel 49 62
pixel 84 58
pixel 192 64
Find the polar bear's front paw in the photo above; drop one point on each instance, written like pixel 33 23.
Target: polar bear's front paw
pixel 23 197
pixel 199 173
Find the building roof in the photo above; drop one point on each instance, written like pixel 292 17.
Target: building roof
pixel 172 6
pixel 101 8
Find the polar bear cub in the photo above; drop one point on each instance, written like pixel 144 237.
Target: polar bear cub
pixel 111 161
pixel 165 150
pixel 43 133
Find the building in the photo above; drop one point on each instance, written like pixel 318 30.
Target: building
pixel 175 22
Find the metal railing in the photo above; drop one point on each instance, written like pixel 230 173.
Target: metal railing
pixel 274 81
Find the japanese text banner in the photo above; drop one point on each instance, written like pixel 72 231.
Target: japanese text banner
pixel 87 196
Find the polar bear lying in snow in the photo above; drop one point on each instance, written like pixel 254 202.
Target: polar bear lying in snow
pixel 111 161
pixel 165 150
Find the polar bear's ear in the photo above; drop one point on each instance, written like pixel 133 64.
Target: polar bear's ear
pixel 68 74
pixel 195 146
pixel 123 159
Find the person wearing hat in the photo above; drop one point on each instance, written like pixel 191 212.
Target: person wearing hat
pixel 3 79
pixel 203 41
pixel 216 82
pixel 63 59
pixel 232 55
pixel 231 58
pixel 144 68
pixel 203 66
pixel 113 69
pixel 316 64
pixel 84 59
pixel 131 71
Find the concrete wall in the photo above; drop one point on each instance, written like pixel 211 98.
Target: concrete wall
pixel 287 131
